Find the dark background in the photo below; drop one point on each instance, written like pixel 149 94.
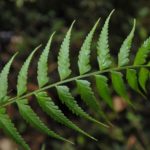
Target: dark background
pixel 24 24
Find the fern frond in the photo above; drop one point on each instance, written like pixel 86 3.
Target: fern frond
pixel 142 53
pixel 103 51
pixel 84 87
pixel 123 56
pixel 54 112
pixel 84 55
pixel 9 128
pixel 31 117
pixel 43 66
pixel 4 80
pixel 22 77
pixel 63 57
pixel 103 89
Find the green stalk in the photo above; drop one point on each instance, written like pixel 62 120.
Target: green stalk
pixel 14 99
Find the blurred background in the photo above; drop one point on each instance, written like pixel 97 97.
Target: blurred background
pixel 24 24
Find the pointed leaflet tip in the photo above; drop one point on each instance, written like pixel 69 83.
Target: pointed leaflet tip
pixel 134 22
pixel 134 25
pixel 97 22
pixel 37 47
pixel 111 12
pixel 73 22
pixel 71 26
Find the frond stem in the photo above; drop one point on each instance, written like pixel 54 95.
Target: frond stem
pixel 14 99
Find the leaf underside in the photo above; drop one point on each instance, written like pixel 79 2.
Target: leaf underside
pixel 9 128
pixel 119 85
pixel 31 117
pixel 55 113
pixel 103 89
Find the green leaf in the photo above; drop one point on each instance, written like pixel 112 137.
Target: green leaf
pixel 4 79
pixel 43 66
pixel 143 78
pixel 86 93
pixel 31 117
pixel 119 85
pixel 84 55
pixel 54 112
pixel 66 98
pixel 142 53
pixel 63 57
pixel 22 77
pixel 10 130
pixel 103 89
pixel 123 56
pixel 104 58
pixel 132 79
pixel 88 97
